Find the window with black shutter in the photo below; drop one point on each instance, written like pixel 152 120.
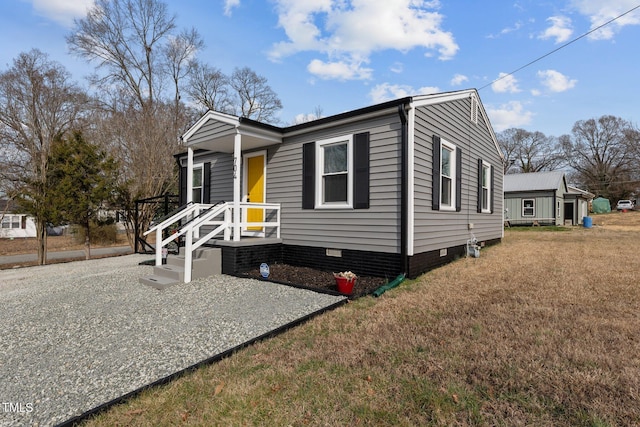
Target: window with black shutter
pixel 335 173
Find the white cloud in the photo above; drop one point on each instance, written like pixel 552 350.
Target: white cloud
pixel 349 31
pixel 62 11
pixel 458 79
pixel 600 12
pixel 397 67
pixel 556 81
pixel 387 92
pixel 339 70
pixel 506 30
pixel 505 83
pixel 229 5
pixel 560 29
pixel 509 115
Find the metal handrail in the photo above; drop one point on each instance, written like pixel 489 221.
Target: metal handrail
pixel 188 208
pixel 203 213
pixel 170 214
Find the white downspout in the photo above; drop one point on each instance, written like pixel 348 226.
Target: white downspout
pixel 237 165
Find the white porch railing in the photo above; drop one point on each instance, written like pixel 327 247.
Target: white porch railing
pixel 192 218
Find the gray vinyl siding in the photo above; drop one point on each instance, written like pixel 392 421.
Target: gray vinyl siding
pixel 210 130
pixel 221 178
pixel 375 229
pixel 433 229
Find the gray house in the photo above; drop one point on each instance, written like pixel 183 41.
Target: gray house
pixel 576 205
pixel 398 187
pixel 535 198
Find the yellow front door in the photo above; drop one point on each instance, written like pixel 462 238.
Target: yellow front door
pixel 255 189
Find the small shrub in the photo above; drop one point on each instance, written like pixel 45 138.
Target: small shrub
pixel 104 234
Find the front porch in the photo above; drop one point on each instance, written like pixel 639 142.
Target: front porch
pixel 212 226
pixel 247 220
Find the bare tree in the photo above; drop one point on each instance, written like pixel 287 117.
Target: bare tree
pixel 124 38
pixel 209 88
pixel 141 65
pixel 526 151
pixel 256 99
pixel 180 53
pixel 38 103
pixel 304 118
pixel 603 153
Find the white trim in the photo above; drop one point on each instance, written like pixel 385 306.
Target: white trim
pixel 489 189
pixel 245 190
pixel 237 165
pixel 412 178
pixel 193 168
pixel 319 204
pixel 209 115
pixel 454 184
pixel 534 208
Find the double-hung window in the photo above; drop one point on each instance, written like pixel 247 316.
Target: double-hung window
pixel 197 183
pixel 334 172
pixel 486 188
pixel 528 207
pixel 11 221
pixel 447 176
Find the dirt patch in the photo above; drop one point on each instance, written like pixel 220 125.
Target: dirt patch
pixel 316 279
pixel 29 245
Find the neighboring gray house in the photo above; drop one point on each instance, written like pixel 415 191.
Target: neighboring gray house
pixel 535 198
pixel 398 187
pixel 576 205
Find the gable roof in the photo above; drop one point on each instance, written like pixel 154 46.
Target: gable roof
pixel 535 181
pixel 8 205
pixel 582 193
pixel 257 129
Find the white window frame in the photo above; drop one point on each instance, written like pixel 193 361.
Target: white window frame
pixel 9 220
pixel 486 166
pixel 444 145
pixel 532 207
pixel 201 167
pixel 319 202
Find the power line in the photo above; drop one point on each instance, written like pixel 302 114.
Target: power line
pixel 561 47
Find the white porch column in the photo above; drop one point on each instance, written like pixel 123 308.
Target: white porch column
pixel 189 175
pixel 237 167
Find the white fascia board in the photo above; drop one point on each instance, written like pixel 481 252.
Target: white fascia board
pixel 269 135
pixel 210 115
pixel 438 98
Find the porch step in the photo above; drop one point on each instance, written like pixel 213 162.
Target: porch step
pixel 206 262
pixel 158 282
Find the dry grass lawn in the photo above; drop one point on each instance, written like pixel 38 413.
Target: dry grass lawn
pixel 543 329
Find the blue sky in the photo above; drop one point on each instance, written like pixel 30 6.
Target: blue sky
pixel 338 55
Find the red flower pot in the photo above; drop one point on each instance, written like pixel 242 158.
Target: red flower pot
pixel 345 286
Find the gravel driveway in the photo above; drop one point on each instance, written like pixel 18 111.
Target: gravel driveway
pixel 78 335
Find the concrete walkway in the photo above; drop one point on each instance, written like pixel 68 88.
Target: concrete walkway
pixel 95 252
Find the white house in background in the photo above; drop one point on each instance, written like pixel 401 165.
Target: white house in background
pixel 14 224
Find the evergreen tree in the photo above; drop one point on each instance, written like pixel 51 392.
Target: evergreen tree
pixel 82 180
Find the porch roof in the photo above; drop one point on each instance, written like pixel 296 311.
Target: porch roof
pixel 216 131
